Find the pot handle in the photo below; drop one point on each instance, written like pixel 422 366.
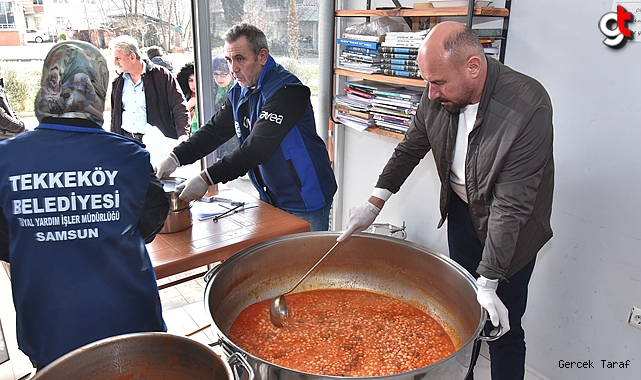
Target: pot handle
pixel 210 272
pixel 495 334
pixel 238 360
pixel 235 360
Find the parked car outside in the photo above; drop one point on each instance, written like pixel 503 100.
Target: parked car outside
pixel 38 36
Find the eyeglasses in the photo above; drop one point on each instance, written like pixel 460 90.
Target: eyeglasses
pixel 220 75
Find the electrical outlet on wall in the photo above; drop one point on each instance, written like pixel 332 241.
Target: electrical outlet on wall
pixel 635 317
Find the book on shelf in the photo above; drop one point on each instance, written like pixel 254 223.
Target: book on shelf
pixel 357 43
pixel 390 110
pixel 360 67
pixel 392 128
pixel 361 50
pixel 347 110
pixel 351 103
pixel 394 103
pixel 398 61
pixel 399 56
pixel 386 90
pixel 359 126
pixel 401 73
pixel 360 57
pixel 393 120
pixel 364 37
pixel 367 102
pixel 398 49
pixel 358 92
pixel 489 32
pixel 355 118
pixel 399 67
pixel 406 44
pixel 419 34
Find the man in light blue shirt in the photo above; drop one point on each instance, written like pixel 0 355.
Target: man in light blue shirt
pixel 145 93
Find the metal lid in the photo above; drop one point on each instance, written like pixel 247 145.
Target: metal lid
pixel 169 184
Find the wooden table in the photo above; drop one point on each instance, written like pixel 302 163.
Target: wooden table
pixel 207 242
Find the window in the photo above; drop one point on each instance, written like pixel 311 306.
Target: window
pixel 37 2
pixel 6 15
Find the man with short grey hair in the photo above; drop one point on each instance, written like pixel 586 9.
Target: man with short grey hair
pixel 144 94
pixel 270 114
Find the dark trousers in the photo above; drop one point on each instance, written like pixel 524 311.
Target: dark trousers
pixel 507 354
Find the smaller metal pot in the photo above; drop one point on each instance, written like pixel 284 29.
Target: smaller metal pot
pixel 179 216
pixel 144 356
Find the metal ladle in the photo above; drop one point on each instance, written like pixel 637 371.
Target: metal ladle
pixel 278 308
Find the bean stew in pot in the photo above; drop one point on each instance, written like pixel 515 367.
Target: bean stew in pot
pixel 338 332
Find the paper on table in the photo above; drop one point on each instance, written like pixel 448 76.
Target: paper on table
pixel 206 210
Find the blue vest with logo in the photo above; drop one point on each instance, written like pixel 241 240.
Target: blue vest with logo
pixel 80 270
pixel 298 177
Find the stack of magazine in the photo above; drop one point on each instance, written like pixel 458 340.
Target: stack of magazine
pixel 352 109
pixel 360 52
pixel 384 106
pixel 399 53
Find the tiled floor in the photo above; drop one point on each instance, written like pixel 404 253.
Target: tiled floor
pixel 184 313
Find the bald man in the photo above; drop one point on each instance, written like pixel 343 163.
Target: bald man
pixel 490 132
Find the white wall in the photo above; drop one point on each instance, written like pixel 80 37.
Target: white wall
pixel 588 276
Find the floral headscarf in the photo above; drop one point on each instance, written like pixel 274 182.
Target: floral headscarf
pixel 74 83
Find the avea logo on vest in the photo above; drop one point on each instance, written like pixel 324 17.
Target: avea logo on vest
pixel 274 118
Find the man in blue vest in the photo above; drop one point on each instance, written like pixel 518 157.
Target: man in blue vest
pixel 77 205
pixel 270 112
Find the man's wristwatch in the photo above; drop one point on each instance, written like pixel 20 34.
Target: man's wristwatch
pixel 487 283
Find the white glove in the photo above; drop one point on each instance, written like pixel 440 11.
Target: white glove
pixel 193 189
pixel 167 166
pixel 487 298
pixel 360 217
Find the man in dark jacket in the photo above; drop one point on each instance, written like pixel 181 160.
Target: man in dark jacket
pixel 270 112
pixel 144 94
pixel 77 205
pixel 490 132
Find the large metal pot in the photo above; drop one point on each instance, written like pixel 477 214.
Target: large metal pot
pixel 417 275
pixel 140 356
pixel 179 216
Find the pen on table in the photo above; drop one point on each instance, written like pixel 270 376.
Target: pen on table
pixel 223 200
pixel 230 211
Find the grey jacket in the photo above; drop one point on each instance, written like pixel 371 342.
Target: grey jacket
pixel 10 123
pixel 509 166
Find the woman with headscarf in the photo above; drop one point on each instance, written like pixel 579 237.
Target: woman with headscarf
pixel 77 205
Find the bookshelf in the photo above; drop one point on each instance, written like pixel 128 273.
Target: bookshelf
pixel 414 15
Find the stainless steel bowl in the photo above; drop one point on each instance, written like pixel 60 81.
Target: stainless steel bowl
pixel 179 216
pixel 139 356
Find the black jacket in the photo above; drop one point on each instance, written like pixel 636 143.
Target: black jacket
pixel 166 106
